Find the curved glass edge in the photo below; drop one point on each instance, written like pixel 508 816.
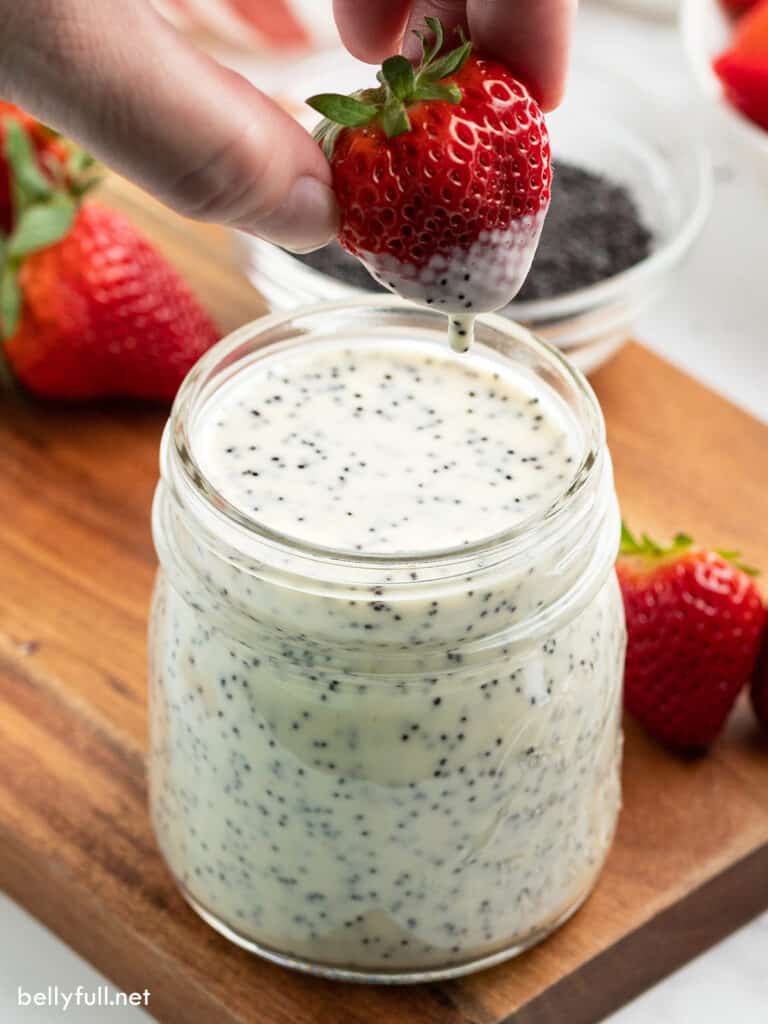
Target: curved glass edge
pixel 177 448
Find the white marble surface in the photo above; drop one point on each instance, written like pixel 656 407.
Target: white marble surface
pixel 713 324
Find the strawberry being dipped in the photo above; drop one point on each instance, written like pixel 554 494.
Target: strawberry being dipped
pixel 443 177
pixel 89 308
pixel 694 621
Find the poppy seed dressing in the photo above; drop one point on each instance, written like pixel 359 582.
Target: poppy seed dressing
pixel 387 448
pixel 402 768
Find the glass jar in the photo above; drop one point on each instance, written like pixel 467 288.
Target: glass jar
pixel 378 800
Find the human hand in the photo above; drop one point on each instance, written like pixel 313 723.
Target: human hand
pixel 113 75
pixel 116 77
pixel 532 37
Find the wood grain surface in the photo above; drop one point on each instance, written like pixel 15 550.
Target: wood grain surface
pixel 690 861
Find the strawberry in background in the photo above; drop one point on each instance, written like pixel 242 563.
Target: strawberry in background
pixel 743 67
pixel 88 307
pixel 53 156
pixel 694 622
pixel 278 24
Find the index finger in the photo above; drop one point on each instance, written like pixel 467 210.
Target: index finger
pixel 532 37
pixel 371 31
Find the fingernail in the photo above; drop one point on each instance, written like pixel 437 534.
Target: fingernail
pixel 306 220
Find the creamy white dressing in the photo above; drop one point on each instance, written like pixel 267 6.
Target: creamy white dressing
pixel 387 447
pixel 467 281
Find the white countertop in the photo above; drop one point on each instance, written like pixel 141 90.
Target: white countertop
pixel 713 324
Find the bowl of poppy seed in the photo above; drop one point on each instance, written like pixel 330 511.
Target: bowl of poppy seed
pixel 631 191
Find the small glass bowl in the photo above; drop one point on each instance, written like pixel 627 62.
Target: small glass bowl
pixel 607 125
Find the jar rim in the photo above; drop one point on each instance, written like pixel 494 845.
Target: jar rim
pixel 510 540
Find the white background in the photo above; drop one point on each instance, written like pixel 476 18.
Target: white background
pixel 713 324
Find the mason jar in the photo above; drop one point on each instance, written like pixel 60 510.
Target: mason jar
pixel 373 766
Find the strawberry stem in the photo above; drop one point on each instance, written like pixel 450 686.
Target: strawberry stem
pixel 436 28
pixel 734 558
pixel 398 74
pixel 648 548
pixel 401 86
pixel 630 545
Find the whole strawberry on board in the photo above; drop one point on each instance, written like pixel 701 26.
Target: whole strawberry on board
pixel 442 176
pixel 88 307
pixel 694 622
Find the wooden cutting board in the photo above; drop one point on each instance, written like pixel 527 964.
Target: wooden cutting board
pixel 690 861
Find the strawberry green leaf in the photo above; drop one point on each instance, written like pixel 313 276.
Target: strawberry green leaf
pixel 20 154
pixel 629 544
pixel 438 91
pixel 681 541
pixel 10 302
pixel 650 547
pixel 81 188
pixel 436 27
pixel 646 546
pixel 748 570
pixel 447 65
pixel 345 110
pixel 41 226
pixel 394 119
pixel 398 74
pixel 79 162
pixel 326 133
pixel 81 172
pixel 734 558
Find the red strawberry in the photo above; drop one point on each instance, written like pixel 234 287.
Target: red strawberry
pixel 89 307
pixel 759 690
pixel 743 67
pixel 443 179
pixel 694 620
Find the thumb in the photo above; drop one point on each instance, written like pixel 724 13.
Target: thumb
pixel 122 82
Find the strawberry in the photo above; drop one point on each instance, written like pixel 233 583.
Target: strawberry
pixel 442 175
pixel 89 307
pixel 694 620
pixel 743 67
pixel 759 689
